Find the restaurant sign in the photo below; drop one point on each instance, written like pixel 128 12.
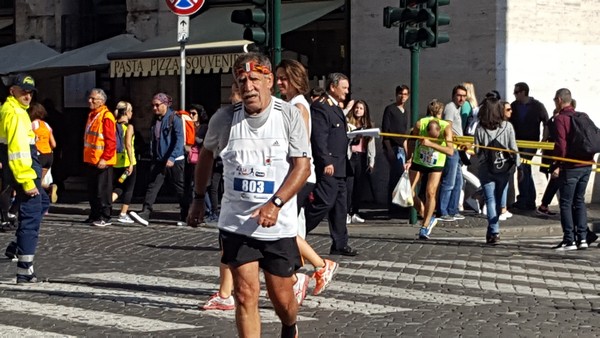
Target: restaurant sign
pixel 159 66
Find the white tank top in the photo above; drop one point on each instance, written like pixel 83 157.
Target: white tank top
pixel 302 100
pixel 255 164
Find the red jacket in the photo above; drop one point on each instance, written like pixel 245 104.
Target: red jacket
pixel 562 144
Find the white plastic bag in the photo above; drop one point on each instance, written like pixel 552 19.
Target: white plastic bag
pixel 402 194
pixel 48 178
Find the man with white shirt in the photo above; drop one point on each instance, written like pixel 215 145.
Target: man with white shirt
pixel 452 179
pixel 264 146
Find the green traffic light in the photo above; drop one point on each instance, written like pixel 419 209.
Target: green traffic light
pixel 391 16
pixel 443 19
pixel 249 16
pixel 255 34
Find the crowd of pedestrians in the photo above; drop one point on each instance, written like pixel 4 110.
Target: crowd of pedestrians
pixel 269 170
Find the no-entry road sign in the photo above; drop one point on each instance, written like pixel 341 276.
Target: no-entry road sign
pixel 185 7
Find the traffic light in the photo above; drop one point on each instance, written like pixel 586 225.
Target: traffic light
pixel 419 21
pixel 439 19
pixel 256 22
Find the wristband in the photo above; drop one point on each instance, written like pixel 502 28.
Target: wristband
pixel 198 197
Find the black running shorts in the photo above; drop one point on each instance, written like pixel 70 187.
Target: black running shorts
pixel 280 258
pixel 425 170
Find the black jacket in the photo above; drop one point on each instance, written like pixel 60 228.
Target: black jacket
pixel 328 137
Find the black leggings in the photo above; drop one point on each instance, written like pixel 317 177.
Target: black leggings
pixel 126 188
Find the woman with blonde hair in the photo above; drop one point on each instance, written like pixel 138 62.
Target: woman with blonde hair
pixel 470 108
pixel 125 168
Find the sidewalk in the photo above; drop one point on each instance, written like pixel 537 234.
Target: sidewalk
pixel 377 223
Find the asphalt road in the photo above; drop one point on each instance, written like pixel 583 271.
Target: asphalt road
pixel 137 281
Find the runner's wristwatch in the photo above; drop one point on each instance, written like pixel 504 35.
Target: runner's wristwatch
pixel 277 201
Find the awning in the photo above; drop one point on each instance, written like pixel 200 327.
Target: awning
pixel 22 54
pixel 82 59
pixel 214 42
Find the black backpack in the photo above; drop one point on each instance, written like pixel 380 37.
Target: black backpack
pixel 499 162
pixel 584 136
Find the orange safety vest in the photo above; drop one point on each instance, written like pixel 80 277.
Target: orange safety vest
pixel 42 136
pixel 93 139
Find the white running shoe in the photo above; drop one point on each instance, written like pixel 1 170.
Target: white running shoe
pixel 216 302
pixel 139 218
pixel 324 275
pixel 300 287
pixel 357 219
pixel 125 219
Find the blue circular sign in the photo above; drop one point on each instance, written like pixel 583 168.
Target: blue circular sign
pixel 185 7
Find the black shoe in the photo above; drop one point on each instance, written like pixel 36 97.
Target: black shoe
pixel 591 237
pixel 22 279
pixel 11 250
pixel 345 251
pixel 142 217
pixel 91 220
pixel 492 239
pixel 521 206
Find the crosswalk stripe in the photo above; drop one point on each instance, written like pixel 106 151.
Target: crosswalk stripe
pixel 15 331
pixel 567 264
pixel 89 317
pixel 379 291
pixel 494 285
pixel 516 269
pixel 267 315
pixel 312 301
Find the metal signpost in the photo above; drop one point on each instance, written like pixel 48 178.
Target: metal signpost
pixel 183 8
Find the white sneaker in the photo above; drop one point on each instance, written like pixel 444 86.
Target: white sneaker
pixel 300 287
pixel 357 219
pixel 502 217
pixel 566 247
pixel 348 219
pixel 507 214
pixel 582 245
pixel 124 218
pixel 139 218
pixel 101 223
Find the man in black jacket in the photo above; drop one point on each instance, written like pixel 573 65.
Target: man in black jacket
pixel 329 147
pixel 527 115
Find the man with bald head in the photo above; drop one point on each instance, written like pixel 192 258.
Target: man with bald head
pixel 99 153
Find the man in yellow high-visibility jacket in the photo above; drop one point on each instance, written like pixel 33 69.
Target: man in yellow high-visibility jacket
pixel 22 170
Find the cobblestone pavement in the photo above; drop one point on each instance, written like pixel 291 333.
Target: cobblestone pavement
pixel 137 281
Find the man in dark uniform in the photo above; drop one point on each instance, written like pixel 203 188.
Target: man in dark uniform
pixel 329 146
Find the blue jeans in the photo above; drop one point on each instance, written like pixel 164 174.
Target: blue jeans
pixel 493 189
pixel 504 197
pixel 573 213
pixel 452 182
pixel 527 194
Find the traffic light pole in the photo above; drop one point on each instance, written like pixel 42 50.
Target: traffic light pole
pixel 276 32
pixel 415 52
pixel 182 79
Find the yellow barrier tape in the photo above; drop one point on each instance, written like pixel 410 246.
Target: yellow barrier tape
pixel 468 142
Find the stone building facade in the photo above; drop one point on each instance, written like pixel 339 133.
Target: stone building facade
pixel 547 43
